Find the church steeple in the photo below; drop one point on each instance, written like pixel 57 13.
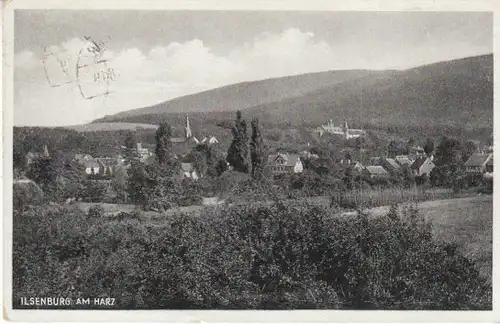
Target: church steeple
pixel 188 128
pixel 46 151
pixel 346 130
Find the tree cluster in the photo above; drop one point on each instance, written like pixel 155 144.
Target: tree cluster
pixel 238 153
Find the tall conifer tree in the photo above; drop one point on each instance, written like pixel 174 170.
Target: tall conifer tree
pixel 237 154
pixel 164 144
pixel 258 152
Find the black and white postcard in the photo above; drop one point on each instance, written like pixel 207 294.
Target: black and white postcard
pixel 260 161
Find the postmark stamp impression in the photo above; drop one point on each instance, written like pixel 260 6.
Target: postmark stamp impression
pixel 87 68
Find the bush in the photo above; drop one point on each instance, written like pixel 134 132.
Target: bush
pixel 246 257
pixel 134 216
pixel 25 195
pixel 94 191
pixel 96 211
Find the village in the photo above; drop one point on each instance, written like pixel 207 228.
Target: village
pixel 387 169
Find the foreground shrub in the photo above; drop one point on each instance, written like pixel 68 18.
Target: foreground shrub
pixel 96 211
pixel 246 257
pixel 25 194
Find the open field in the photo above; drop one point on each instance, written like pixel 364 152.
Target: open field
pixel 465 221
pixel 99 127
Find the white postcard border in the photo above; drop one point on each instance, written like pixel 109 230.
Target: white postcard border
pixel 220 315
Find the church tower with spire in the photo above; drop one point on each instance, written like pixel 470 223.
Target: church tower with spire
pixel 188 128
pixel 46 151
pixel 346 130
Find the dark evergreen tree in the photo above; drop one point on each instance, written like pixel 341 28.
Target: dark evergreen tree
pixel 393 149
pixel 139 180
pixel 407 178
pixel 448 152
pixel 164 144
pixel 237 154
pixel 258 151
pixel 348 156
pixel 429 147
pixel 489 141
pixel 130 151
pixel 348 177
pixel 130 141
pixel 220 167
pixel 468 149
pixel 43 172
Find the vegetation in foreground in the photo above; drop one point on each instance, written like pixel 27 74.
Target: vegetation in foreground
pixel 244 257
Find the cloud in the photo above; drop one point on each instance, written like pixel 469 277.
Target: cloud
pixel 26 60
pixel 147 77
pixel 287 53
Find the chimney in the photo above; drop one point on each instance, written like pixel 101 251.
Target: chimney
pixel 139 146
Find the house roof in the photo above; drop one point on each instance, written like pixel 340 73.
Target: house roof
pixel 376 170
pixel 177 139
pixel 150 160
pixel 357 131
pixel 289 159
pixel 478 159
pixel 210 139
pixel 393 163
pixel 91 163
pixel 107 162
pixel 403 159
pixel 33 155
pixel 82 157
pixel 490 161
pixel 419 162
pixel 187 167
pixel 376 160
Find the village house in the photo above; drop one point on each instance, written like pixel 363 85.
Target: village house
pixel 390 165
pixel 375 172
pixel 283 163
pixel 209 140
pixel 422 166
pixel 358 167
pixel 80 158
pixel 188 171
pixel 479 163
pixel 489 168
pixel 91 167
pixel 416 152
pixel 143 152
pixel 32 156
pixel 108 166
pixel 403 160
pixel 89 164
pixel 308 155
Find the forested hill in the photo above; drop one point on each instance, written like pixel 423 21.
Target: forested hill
pixel 454 93
pixel 247 94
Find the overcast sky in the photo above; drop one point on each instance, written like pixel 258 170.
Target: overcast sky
pixel 162 55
